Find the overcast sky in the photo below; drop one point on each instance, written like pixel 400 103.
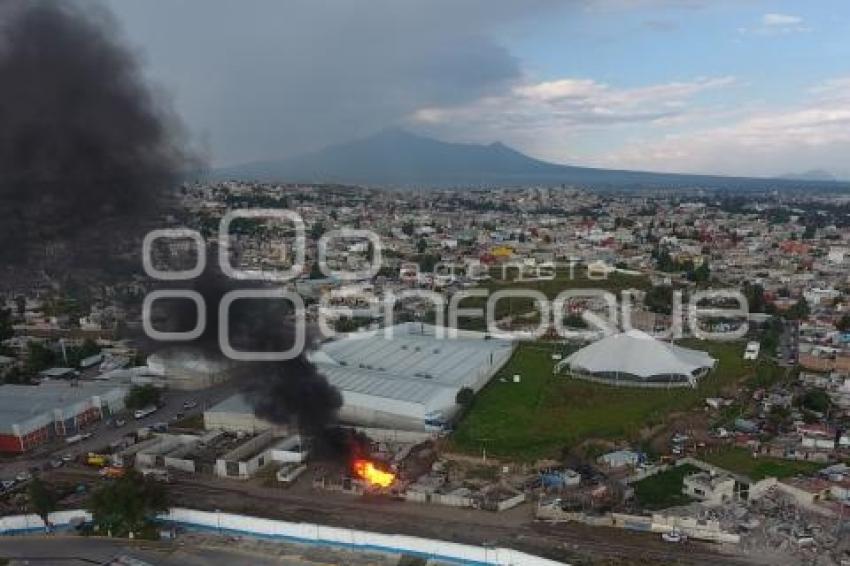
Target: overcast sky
pixel 750 87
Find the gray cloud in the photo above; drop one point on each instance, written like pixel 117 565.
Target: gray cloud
pixel 263 79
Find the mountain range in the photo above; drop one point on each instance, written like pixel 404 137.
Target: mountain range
pixel 398 158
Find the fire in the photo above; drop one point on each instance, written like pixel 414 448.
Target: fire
pixel 368 471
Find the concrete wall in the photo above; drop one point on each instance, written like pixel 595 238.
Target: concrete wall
pixel 439 499
pixel 319 534
pixel 246 459
pixel 510 503
pixel 13 524
pixel 235 422
pixel 307 533
pixel 657 523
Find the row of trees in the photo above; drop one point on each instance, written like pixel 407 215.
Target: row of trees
pixel 40 357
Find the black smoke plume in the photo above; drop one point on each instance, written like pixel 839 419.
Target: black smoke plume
pixel 89 158
pixel 290 392
pixel 87 151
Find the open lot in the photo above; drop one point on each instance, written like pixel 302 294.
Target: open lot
pixel 664 489
pixel 741 461
pixel 545 413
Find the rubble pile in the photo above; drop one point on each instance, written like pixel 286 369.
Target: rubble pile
pixel 775 526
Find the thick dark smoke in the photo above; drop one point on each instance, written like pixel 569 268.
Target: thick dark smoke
pixel 88 159
pixel 288 392
pixel 86 149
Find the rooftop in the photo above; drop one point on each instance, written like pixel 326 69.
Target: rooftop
pixel 22 403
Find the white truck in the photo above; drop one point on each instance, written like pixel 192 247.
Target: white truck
pixel 77 438
pixel 142 413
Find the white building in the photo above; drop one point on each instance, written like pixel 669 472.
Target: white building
pixel 636 359
pixel 410 378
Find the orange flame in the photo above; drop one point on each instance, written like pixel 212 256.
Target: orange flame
pixel 368 471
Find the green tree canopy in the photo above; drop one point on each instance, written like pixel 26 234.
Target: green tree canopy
pixel 128 504
pixel 41 499
pixel 815 400
pixel 465 396
pixel 6 330
pixel 142 396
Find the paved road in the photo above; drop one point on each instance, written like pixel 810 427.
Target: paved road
pixel 78 551
pixel 103 434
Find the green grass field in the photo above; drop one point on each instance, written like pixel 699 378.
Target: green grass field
pixel 564 280
pixel 546 413
pixel 663 490
pixel 741 461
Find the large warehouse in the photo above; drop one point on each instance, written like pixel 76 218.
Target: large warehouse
pixel 32 415
pixel 636 359
pixel 408 381
pixel 187 369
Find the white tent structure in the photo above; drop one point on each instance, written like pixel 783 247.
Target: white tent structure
pixel 635 358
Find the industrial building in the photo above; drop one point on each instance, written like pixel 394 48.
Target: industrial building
pixel 186 369
pixel 234 414
pixel 32 415
pixel 636 359
pixel 407 380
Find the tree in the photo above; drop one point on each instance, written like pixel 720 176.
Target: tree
pixel 702 273
pixel 21 304
pixel 465 396
pixel 316 271
pixel 843 323
pixel 142 396
pixel 755 296
pixel 659 299
pixel 421 245
pixel 816 400
pixel 800 310
pixel 810 232
pixel 6 330
pixel 39 358
pixel 428 262
pixel 41 500
pixel 574 320
pixel 408 228
pixel 128 504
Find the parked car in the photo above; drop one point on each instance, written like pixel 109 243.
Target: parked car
pixel 23 476
pixel 56 463
pixel 7 484
pixel 67 458
pixel 674 537
pixel 190 404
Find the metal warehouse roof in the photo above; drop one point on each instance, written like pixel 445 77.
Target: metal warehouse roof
pixel 33 405
pixel 410 366
pixel 412 354
pixel 386 385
